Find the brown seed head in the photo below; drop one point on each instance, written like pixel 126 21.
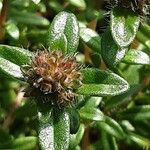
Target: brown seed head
pixel 54 76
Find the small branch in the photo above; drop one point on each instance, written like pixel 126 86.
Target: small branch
pixel 3 16
pixel 11 114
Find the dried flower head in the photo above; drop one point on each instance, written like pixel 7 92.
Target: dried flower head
pixel 53 77
pixel 139 6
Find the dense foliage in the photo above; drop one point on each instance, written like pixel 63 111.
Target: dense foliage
pixel 74 74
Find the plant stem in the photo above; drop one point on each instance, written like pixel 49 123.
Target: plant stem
pixel 86 140
pixel 3 16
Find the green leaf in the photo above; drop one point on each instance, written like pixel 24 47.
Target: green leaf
pixel 116 127
pixel 96 59
pixel 75 139
pixel 109 129
pixel 16 55
pixel 9 69
pixel 36 1
pixel 145 29
pixel 78 3
pixel 23 143
pixel 136 57
pixel 91 114
pixel 64 33
pixel 112 54
pixel 20 3
pixel 132 73
pixel 136 113
pixel 101 83
pixel 121 99
pixel 54 129
pixel 91 38
pixel 141 141
pixel 112 127
pixel 143 39
pixel 74 120
pixel 12 30
pixel 124 25
pixel 28 18
pixel 60 43
pixel 93 102
pixel 108 142
pixel 56 6
pixel 90 110
pixel 37 36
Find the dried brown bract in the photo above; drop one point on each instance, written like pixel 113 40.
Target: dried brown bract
pixel 53 77
pixel 141 7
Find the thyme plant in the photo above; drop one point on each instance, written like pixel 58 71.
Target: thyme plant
pixel 76 86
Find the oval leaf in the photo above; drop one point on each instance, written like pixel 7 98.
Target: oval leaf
pixel 102 83
pixel 64 30
pixel 124 25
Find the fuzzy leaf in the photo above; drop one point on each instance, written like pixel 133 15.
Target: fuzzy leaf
pixel 91 38
pixel 91 114
pixel 16 55
pixel 121 99
pixel 9 69
pixel 112 54
pixel 54 130
pixel 136 57
pixel 93 102
pixel 74 120
pixel 64 33
pixel 124 25
pixel 102 83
